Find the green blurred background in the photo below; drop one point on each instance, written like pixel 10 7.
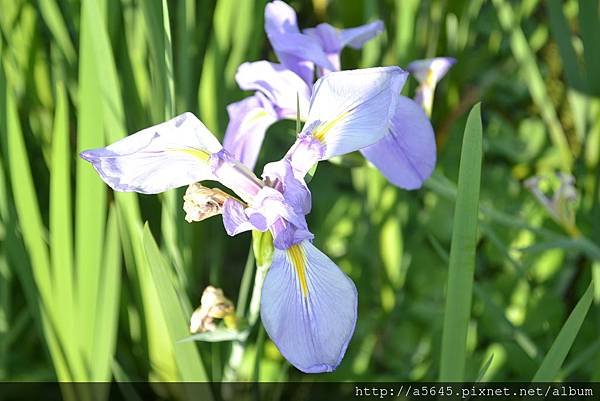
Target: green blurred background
pixel 86 295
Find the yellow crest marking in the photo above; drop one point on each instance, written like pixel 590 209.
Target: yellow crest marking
pixel 297 257
pixel 197 153
pixel 324 128
pixel 257 116
pixel 430 79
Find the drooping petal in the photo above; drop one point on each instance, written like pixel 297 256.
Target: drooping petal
pixel 333 40
pixel 406 155
pixel 282 87
pixel 329 39
pixel 168 155
pixel 352 109
pixel 308 308
pixel 358 36
pixel 249 120
pixel 295 50
pixel 298 52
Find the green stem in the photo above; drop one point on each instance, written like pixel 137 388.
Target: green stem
pixel 262 247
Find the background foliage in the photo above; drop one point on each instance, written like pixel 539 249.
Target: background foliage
pixel 88 293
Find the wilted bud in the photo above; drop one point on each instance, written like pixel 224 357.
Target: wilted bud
pixel 200 202
pixel 213 305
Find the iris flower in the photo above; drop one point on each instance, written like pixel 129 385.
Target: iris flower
pixel 281 88
pixel 308 305
pixel 405 155
pixel 429 72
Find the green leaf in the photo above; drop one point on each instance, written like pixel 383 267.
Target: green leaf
pixel 56 23
pixel 30 222
pixel 211 99
pixel 462 253
pixel 186 354
pixel 90 198
pixel 156 18
pixel 109 292
pixel 555 357
pixel 61 236
pixel 484 368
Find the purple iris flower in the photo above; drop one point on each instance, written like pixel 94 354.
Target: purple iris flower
pixel 429 72
pixel 406 155
pixel 308 305
pixel 280 86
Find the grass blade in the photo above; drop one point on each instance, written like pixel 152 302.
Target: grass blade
pixel 56 24
pixel 61 236
pixel 555 357
pixel 210 95
pixel 108 303
pixel 186 354
pixel 32 228
pixel 90 197
pixel 462 253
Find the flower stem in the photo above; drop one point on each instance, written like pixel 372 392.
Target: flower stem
pixel 262 249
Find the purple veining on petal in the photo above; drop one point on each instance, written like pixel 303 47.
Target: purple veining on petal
pixel 164 156
pixel 349 110
pixel 312 326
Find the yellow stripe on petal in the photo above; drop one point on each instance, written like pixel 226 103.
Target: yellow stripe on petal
pixel 197 153
pixel 324 129
pixel 296 255
pixel 257 116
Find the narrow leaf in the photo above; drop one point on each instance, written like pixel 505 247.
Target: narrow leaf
pixel 555 357
pixel 462 253
pixel 186 354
